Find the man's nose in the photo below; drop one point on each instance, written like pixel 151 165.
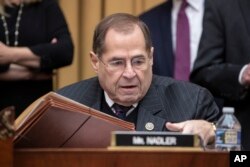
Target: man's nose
pixel 129 71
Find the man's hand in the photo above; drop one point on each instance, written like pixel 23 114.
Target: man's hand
pixel 203 128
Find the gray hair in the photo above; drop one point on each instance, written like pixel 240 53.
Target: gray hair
pixel 120 22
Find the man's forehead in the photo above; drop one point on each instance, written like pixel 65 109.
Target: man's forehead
pixel 111 33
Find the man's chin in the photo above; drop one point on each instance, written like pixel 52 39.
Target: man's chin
pixel 129 99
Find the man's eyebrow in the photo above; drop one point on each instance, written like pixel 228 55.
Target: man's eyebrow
pixel 139 56
pixel 122 58
pixel 116 58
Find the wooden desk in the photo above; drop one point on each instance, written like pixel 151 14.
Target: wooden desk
pixel 6 153
pixel 117 158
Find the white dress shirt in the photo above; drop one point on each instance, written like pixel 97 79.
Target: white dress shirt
pixel 195 12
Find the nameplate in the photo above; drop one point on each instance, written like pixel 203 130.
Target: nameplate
pixel 154 139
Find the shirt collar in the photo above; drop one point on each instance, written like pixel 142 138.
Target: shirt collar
pixel 195 4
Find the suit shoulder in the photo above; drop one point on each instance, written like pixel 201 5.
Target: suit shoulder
pixel 75 87
pixel 167 82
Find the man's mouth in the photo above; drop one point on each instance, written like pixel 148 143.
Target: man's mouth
pixel 128 87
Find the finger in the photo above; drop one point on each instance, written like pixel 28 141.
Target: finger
pixel 176 127
pixel 54 40
pixel 188 129
pixel 209 137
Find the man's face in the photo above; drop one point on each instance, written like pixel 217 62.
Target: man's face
pixel 125 68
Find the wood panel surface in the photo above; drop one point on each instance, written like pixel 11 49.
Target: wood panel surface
pixel 6 153
pixel 118 158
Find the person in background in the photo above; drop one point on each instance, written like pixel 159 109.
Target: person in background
pixel 167 29
pixel 34 40
pixel 223 59
pixel 176 42
pixel 125 86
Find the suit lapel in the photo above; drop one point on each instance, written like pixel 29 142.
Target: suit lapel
pixel 97 105
pixel 149 108
pixel 245 8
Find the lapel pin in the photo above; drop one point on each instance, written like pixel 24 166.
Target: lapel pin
pixel 149 126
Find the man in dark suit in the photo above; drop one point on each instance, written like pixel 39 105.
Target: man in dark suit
pixel 162 22
pixel 122 57
pixel 224 55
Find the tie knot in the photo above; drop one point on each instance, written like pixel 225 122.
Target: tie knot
pixel 184 4
pixel 120 110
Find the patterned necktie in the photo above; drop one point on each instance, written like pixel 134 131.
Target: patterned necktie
pixel 182 57
pixel 121 111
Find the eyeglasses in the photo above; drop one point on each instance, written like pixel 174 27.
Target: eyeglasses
pixel 139 63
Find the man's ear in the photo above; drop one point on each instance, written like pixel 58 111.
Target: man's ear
pixel 94 61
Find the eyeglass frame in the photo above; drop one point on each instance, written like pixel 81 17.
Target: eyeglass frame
pixel 111 65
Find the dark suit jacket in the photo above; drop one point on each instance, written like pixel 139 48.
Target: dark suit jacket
pixel 166 100
pixel 224 49
pixel 158 20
